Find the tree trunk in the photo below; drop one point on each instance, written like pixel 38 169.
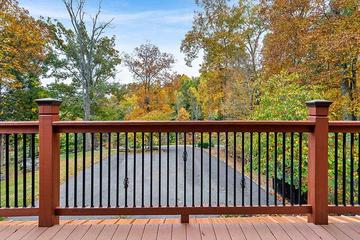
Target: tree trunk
pixel 87 116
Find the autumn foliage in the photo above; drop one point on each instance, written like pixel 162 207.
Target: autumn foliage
pixel 22 43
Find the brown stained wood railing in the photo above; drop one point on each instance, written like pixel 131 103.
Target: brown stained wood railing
pixel 181 168
pixel 344 159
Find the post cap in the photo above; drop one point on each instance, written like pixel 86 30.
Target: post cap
pixel 48 101
pixel 318 103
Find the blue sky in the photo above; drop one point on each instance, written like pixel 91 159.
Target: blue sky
pixel 161 22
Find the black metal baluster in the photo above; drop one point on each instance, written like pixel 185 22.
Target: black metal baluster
pixel 300 169
pixel 185 160
pixel 226 168
pixel 24 170
pixel 100 169
pixel 275 168
pixel 352 169
pixel 33 170
pixel 267 169
pixel 291 168
pixel 176 169
pixel 242 169
pixel 92 170
pixel 259 168
pixel 159 169
pixel 234 158
pixel 151 169
pixel 75 169
pixel 201 167
pixel 193 169
pixel 283 167
pixel 67 170
pixel 84 170
pixel 344 169
pixel 16 197
pixel 142 170
pixel 117 168
pixel 336 171
pixel 109 170
pixel 168 169
pixel 7 166
pixel 209 169
pixel 126 180
pixel 251 168
pixel 218 169
pixel 134 173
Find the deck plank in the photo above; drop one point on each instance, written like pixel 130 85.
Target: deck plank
pixel 49 232
pixel 307 232
pixel 9 231
pixel 335 232
pixel 79 232
pixel 277 231
pixel 319 230
pixel 150 232
pixel 20 233
pixel 263 231
pixel 93 232
pixel 248 228
pixel 164 232
pixel 348 230
pixel 64 232
pixel 107 232
pixel 249 231
pixel 34 234
pixel 178 231
pixel 207 231
pixel 122 232
pixel 221 231
pixel 292 232
pixel 235 231
pixel 193 231
pixel 136 232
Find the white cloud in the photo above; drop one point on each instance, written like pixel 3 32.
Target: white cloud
pixel 164 28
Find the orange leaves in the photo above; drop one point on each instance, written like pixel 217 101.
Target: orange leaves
pixel 320 40
pixel 22 42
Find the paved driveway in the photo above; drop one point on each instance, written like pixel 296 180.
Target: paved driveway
pixel 163 185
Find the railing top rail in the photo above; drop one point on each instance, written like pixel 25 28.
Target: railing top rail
pixel 183 126
pixel 11 127
pixel 344 126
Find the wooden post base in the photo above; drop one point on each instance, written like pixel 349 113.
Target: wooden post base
pixel 185 218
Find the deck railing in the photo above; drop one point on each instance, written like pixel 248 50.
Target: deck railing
pixel 179 168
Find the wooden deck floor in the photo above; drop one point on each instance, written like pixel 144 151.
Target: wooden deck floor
pixel 248 228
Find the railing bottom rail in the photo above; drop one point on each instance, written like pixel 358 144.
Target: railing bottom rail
pixel 303 209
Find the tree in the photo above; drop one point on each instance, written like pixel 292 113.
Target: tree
pixel 187 97
pixel 230 36
pixel 320 41
pixel 283 97
pixel 22 43
pixel 85 55
pixel 149 65
pixel 23 55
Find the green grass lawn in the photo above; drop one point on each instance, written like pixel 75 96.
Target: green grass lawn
pixel 28 176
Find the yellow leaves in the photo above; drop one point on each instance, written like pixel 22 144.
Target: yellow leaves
pixel 22 42
pixel 321 41
pixel 183 114
pixel 154 105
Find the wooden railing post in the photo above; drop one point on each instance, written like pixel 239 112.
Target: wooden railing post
pixel 318 161
pixel 49 158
